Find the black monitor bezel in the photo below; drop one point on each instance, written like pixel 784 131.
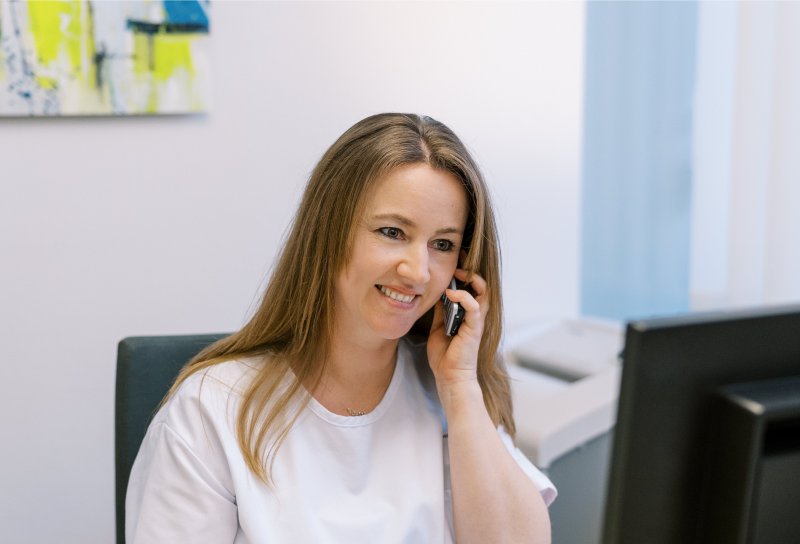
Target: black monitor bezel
pixel 671 367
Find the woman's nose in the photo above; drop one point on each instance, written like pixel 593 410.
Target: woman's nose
pixel 414 266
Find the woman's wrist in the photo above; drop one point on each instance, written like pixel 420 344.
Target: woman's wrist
pixel 460 398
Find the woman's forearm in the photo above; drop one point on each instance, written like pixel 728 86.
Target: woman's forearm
pixel 493 499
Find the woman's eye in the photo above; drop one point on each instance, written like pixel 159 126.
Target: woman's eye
pixel 390 232
pixel 443 245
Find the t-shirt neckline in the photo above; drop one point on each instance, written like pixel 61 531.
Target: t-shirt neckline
pixel 380 409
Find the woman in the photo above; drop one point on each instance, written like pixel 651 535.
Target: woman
pixel 342 412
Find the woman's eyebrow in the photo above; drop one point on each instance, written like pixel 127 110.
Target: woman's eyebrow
pixel 397 217
pixel 409 223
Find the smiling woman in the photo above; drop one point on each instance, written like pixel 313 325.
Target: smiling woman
pixel 342 412
pixel 404 252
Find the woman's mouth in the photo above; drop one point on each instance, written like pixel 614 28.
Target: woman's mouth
pixel 394 295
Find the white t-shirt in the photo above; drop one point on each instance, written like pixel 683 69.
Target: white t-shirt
pixel 380 478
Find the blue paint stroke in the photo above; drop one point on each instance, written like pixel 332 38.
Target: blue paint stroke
pixel 183 12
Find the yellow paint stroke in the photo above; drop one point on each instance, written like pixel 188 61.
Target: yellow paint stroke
pixel 171 53
pixel 47 83
pixel 89 45
pixel 161 57
pixel 56 25
pixel 2 65
pixel 141 54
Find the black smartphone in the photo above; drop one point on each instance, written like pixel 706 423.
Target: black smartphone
pixel 453 311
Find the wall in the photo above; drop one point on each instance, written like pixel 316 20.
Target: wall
pixel 640 66
pixel 112 227
pixel 746 186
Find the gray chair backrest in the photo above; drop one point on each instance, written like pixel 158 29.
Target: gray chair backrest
pixel 146 368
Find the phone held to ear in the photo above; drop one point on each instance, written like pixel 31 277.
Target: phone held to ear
pixel 453 311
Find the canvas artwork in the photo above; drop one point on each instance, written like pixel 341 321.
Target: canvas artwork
pixel 103 57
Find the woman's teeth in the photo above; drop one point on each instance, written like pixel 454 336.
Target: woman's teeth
pixel 397 296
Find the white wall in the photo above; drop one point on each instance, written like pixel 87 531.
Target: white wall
pixel 112 227
pixel 746 186
pixel 715 83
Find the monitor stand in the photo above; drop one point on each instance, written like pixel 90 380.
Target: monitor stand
pixel 752 489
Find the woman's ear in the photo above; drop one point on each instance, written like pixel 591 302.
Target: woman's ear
pixel 462 257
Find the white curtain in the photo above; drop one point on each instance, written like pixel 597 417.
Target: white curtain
pixel 745 247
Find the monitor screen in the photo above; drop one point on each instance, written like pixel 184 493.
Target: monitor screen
pixel 682 377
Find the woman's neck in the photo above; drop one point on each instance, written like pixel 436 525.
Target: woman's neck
pixel 357 374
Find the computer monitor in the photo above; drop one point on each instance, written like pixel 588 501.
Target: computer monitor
pixel 707 442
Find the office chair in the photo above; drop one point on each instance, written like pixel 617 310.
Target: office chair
pixel 146 368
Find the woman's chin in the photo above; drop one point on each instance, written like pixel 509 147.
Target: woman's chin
pixel 393 329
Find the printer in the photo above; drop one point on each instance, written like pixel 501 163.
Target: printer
pixel 565 377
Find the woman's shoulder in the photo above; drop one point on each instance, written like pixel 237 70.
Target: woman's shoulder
pixel 209 396
pixel 190 452
pixel 225 378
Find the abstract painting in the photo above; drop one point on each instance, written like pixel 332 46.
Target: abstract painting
pixel 103 57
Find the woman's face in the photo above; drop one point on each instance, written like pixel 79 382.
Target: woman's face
pixel 405 251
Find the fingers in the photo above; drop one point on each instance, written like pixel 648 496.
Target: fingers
pixel 473 317
pixel 464 298
pixel 477 283
pixel 475 307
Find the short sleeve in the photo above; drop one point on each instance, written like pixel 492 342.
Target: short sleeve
pixel 542 482
pixel 173 497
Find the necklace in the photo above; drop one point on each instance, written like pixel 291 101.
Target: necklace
pixel 356 413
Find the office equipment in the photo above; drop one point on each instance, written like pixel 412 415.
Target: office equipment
pixel 753 487
pixel 706 443
pixel 571 349
pixel 146 368
pixel 565 384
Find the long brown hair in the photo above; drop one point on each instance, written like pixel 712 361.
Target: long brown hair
pixel 293 325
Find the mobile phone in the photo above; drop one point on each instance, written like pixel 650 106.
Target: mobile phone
pixel 453 311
